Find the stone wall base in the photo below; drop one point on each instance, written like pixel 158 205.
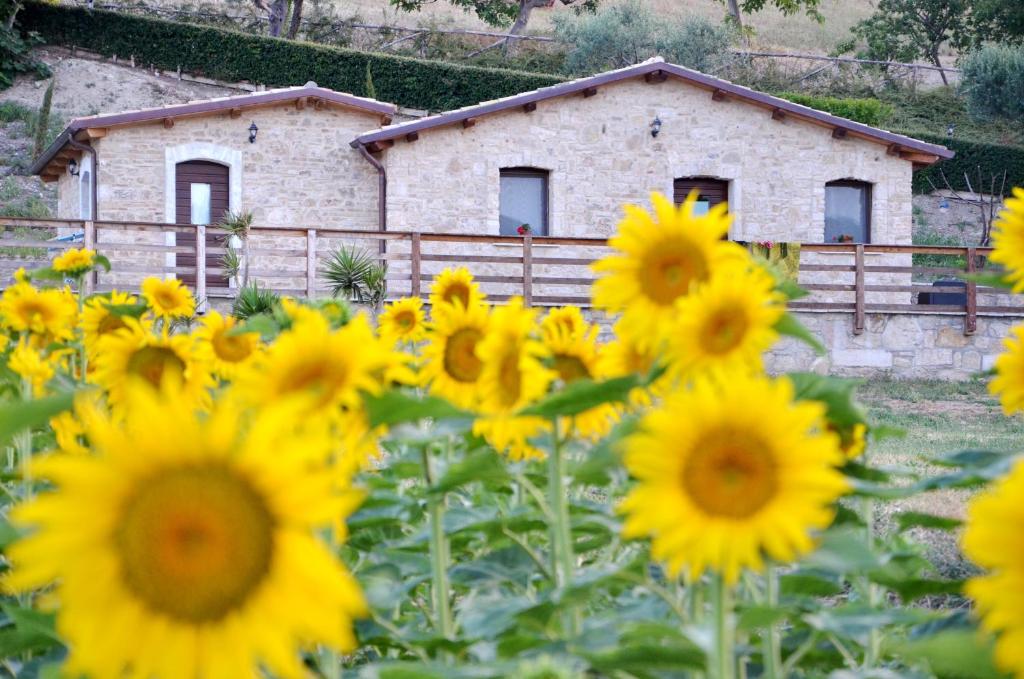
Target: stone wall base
pixel 902 346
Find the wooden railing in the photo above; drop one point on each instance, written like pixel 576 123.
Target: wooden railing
pixel 545 271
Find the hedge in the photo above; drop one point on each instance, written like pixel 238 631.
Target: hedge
pixel 992 158
pixel 234 56
pixel 868 111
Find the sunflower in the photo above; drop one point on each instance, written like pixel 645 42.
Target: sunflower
pixel 512 377
pixel 729 470
pixel 451 367
pixel 50 314
pixel 574 356
pixel 626 356
pixel 852 440
pixel 727 322
pixel 1008 239
pixel 403 321
pixel 31 366
pixel 992 539
pixel 563 319
pixel 98 320
pixel 659 259
pixel 455 286
pixel 329 369
pixel 222 350
pixel 199 555
pixel 134 355
pixel 1008 383
pixel 74 262
pixel 168 298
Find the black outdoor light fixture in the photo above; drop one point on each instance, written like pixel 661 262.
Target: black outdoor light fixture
pixel 655 126
pixel 252 132
pixel 73 167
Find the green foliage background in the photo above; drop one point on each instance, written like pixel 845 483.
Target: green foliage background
pixel 229 55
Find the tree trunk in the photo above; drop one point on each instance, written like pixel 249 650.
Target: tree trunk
pixel 293 29
pixel 14 13
pixel 277 11
pixel 736 14
pixel 934 53
pixel 525 8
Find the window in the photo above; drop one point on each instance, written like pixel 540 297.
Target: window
pixel 524 200
pixel 847 212
pixel 710 192
pixel 85 188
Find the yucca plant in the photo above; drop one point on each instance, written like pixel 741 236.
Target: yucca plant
pixel 253 300
pixel 356 275
pixel 237 225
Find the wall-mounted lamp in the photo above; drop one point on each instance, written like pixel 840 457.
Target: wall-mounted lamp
pixel 73 167
pixel 252 132
pixel 655 126
pixel 950 129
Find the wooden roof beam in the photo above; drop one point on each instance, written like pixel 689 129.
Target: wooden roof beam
pixel 589 92
pixel 839 133
pixel 778 114
pixel 301 102
pixel 530 107
pixel 378 146
pixel 168 123
pixel 918 157
pixel 468 122
pixel 412 136
pixel 719 95
pixel 893 149
pixel 95 132
pixel 235 112
pixel 658 76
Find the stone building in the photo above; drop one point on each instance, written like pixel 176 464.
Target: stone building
pixel 561 160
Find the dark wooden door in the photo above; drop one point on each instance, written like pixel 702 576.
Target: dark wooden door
pixel 201 196
pixel 710 192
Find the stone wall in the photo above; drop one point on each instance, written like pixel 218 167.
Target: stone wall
pixel 600 154
pixel 300 171
pixel 918 346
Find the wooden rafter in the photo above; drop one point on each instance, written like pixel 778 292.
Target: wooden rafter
pixel 719 95
pixel 656 77
pixel 589 92
pixel 412 136
pixel 839 133
pixel 530 106
pixel 468 122
pixel 778 114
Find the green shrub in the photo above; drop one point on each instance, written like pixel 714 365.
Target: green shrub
pixel 868 111
pixel 970 155
pixel 630 32
pixel 993 78
pixel 229 55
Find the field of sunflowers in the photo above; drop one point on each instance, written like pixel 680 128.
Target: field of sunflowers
pixel 466 490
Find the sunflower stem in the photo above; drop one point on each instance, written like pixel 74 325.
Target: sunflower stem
pixel 80 286
pixel 874 648
pixel 438 548
pixel 772 652
pixel 23 447
pixel 721 664
pixel 562 557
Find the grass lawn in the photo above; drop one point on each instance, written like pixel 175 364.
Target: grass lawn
pixel 938 417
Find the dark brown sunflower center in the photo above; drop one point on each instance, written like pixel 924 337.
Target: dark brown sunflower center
pixel 731 474
pixel 405 320
pixel 571 368
pixel 194 543
pixel 457 291
pixel 668 270
pixel 510 379
pixel 460 361
pixel 166 299
pixel 231 348
pixel 156 364
pixel 724 330
pixel 109 323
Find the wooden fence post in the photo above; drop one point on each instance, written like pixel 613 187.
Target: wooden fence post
pixel 201 266
pixel 89 243
pixel 310 263
pixel 858 292
pixel 528 270
pixel 414 265
pixel 971 308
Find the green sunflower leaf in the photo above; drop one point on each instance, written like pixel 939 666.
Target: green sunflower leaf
pixel 789 326
pixel 582 395
pixel 396 406
pixel 18 416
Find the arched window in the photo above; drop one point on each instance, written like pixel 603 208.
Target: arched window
pixel 523 201
pixel 848 211
pixel 710 192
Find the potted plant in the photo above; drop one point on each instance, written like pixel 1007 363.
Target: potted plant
pixel 844 238
pixel 524 230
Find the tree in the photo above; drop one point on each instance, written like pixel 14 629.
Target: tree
pixel 903 30
pixel 998 20
pixel 501 12
pixel 738 7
